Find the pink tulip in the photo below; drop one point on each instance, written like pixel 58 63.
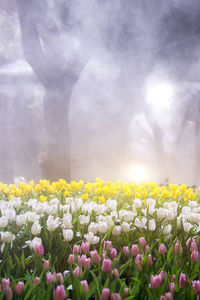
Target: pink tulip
pixel 173 278
pixel 9 293
pixel 106 265
pixel 60 277
pixel 76 249
pixel 172 288
pixel 126 251
pixel 168 296
pixel 19 287
pixel 85 287
pixel 142 242
pixel 85 247
pixel 163 298
pixel 147 248
pixel 59 293
pixel 162 249
pixel 95 256
pixel 116 273
pixel 105 294
pixel 78 272
pixel 6 282
pixel 115 296
pixel 149 260
pixel 104 253
pixel 178 246
pixel 39 250
pixel 182 280
pixel 49 278
pixel 196 286
pixel 113 253
pixel 134 250
pixel 107 244
pixel 71 259
pixel 193 246
pixel 36 280
pixel 156 281
pixel 125 292
pixel 46 264
pixel 195 255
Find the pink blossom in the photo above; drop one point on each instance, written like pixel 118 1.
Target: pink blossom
pixel 134 250
pixel 36 280
pixel 182 280
pixel 195 255
pixel 142 242
pixel 173 278
pixel 49 278
pixel 60 277
pixel 106 265
pixel 107 245
pixel 125 292
pixel 156 281
pixel 19 287
pixel 85 287
pixel 6 282
pixel 9 293
pixel 95 256
pixel 105 294
pixel 46 264
pixel 113 253
pixel 76 249
pixel 172 288
pixel 78 272
pixel 126 250
pixel 147 248
pixel 162 249
pixel 39 250
pixel 71 259
pixel 115 296
pixel 196 286
pixel 59 293
pixel 85 247
pixel 178 246
pixel 149 260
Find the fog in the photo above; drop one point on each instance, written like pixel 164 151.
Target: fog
pixel 98 88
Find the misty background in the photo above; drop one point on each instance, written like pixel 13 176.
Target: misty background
pixel 100 88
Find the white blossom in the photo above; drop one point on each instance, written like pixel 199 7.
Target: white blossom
pixel 52 223
pixel 117 230
pixel 68 235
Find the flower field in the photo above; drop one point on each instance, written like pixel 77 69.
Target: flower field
pixel 99 240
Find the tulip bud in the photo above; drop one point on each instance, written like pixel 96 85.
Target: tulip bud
pixel 19 288
pixel 106 265
pixel 134 250
pixel 149 260
pixel 142 242
pixel 195 255
pixel 85 287
pixel 46 265
pixel 105 294
pixel 59 293
pixel 162 249
pixel 39 250
pixel 182 280
pixel 36 280
pixel 126 251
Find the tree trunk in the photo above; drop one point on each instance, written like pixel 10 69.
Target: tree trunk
pixel 55 156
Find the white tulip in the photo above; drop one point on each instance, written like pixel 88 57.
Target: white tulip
pixel 36 228
pixel 51 209
pixel 77 203
pixel 93 227
pixel 108 219
pixel 187 226
pixel 16 202
pixel 162 213
pixel 102 227
pixel 54 201
pixel 3 221
pixel 10 214
pixel 151 205
pixel 152 225
pixel 193 204
pixel 137 203
pixel 68 235
pixel 21 220
pixel 67 220
pixel 32 217
pixel 52 223
pixel 91 238
pixel 117 230
pixel 125 227
pixel 111 204
pixel 114 214
pixel 7 237
pixel 34 242
pixel 167 229
pixel 140 223
pixel 186 210
pixel 84 219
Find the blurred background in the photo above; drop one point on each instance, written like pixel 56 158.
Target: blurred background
pixel 98 88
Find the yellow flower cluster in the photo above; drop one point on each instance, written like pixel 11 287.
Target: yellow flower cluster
pixel 99 190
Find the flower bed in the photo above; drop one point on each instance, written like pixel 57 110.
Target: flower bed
pixel 99 241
